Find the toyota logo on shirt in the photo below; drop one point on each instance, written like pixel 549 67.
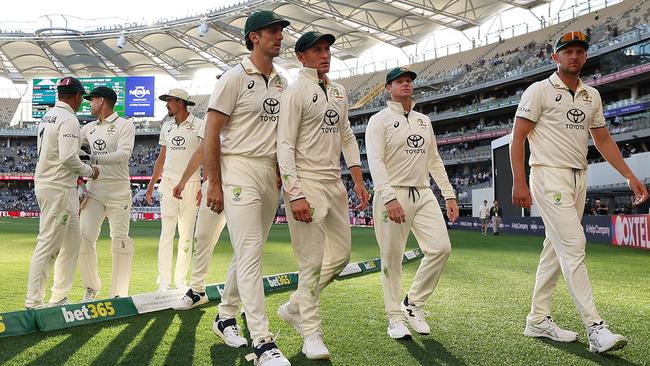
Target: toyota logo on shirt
pixel 331 117
pixel 575 117
pixel 99 145
pixel 271 106
pixel 415 143
pixel 178 141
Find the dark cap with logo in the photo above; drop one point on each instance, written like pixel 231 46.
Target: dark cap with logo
pixel 262 19
pixel 309 39
pixel 70 85
pixel 102 91
pixel 571 38
pixel 397 72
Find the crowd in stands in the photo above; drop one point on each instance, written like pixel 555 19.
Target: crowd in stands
pixel 20 157
pixel 18 199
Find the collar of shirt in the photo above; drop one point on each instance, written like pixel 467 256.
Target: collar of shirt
pixel 309 74
pixel 109 119
pixel 64 105
pixel 559 84
pixel 250 68
pixel 398 108
pixel 190 118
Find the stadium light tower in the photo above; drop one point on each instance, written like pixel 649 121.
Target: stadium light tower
pixel 121 42
pixel 203 28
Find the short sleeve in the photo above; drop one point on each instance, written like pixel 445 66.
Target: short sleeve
pixel 530 103
pixel 598 119
pixel 226 92
pixel 163 140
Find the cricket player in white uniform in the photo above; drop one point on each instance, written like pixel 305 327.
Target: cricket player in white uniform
pixel 402 153
pixel 313 130
pixel 243 179
pixel 557 115
pixel 110 140
pixel 55 184
pixel 178 141
pixel 208 228
pixel 484 216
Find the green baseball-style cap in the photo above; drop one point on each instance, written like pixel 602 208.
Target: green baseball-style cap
pixel 309 39
pixel 570 38
pixel 262 19
pixel 102 91
pixel 397 72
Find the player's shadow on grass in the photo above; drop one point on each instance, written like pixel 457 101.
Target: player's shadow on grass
pixel 115 349
pixel 60 354
pixel 582 350
pixel 224 355
pixel 430 353
pixel 143 352
pixel 300 359
pixel 182 350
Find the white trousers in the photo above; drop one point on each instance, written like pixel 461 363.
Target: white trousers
pixel 560 196
pixel 182 213
pixel 425 219
pixel 251 199
pixel 112 200
pixel 209 226
pixel 321 247
pixel 59 237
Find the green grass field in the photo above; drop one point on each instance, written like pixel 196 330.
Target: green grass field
pixel 477 312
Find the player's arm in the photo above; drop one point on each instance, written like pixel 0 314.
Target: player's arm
pixel 215 121
pixel 436 169
pixel 157 172
pixel 352 157
pixel 376 151
pixel 520 193
pixel 125 144
pixel 287 135
pixel 69 150
pixel 195 162
pixel 609 150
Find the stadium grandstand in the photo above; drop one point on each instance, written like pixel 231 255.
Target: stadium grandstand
pixel 470 95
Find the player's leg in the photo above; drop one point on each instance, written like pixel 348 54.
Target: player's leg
pixel 119 216
pixel 66 260
pixel 391 238
pixel 92 216
pixel 186 221
pixel 169 209
pixel 53 221
pixel 430 231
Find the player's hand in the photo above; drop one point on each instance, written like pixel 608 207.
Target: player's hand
pixel 521 195
pixel 639 189
pixel 278 179
pixel 452 210
pixel 149 195
pixel 395 211
pixel 199 195
pixel 301 210
pixel 362 194
pixel 95 173
pixel 178 189
pixel 214 198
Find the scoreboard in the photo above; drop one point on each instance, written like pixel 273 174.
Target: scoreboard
pixel 135 95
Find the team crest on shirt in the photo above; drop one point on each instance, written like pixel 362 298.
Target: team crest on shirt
pixel 236 194
pixel 421 123
pixel 557 197
pixel 111 130
pixel 385 216
pixel 279 85
pixel 64 220
pixel 190 126
pixel 338 97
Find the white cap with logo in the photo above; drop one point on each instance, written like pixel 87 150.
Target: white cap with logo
pixel 177 93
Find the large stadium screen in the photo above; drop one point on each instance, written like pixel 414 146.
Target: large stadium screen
pixel 135 95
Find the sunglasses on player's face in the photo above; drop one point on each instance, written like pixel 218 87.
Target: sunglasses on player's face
pixel 574 36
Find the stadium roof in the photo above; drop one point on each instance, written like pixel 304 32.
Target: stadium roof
pixel 179 48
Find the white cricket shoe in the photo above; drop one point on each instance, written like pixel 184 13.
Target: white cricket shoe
pixel 314 348
pixel 89 295
pixel 416 317
pixel 290 317
pixel 268 354
pixel 547 328
pixel 61 302
pixel 228 330
pixel 398 330
pixel 191 300
pixel 602 340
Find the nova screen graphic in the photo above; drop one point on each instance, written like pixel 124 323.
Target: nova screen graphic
pixel 135 95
